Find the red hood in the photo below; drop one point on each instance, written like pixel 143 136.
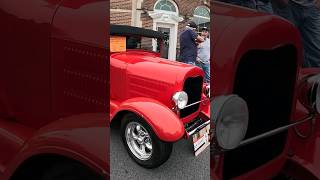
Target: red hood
pixel 149 65
pixel 138 56
pixel 147 75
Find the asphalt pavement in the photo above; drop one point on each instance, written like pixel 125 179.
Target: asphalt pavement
pixel 182 163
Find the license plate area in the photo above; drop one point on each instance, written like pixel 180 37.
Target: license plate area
pixel 201 140
pixel 198 131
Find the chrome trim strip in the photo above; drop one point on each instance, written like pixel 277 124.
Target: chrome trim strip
pixel 198 128
pixel 198 102
pixel 275 131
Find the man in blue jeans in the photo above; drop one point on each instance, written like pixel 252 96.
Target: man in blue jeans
pixel 189 40
pixel 203 58
pixel 305 15
pixel 260 5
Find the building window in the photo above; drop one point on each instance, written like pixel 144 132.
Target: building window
pixel 166 5
pixel 201 16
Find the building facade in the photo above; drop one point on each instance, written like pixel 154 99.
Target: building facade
pixel 167 16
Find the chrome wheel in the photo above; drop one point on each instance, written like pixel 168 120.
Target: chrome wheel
pixel 138 140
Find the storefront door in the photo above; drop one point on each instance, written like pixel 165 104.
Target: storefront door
pixel 166 32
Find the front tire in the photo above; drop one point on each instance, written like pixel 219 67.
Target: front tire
pixel 70 171
pixel 142 144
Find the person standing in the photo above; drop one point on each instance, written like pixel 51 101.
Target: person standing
pixel 305 15
pixel 260 5
pixel 188 43
pixel 203 58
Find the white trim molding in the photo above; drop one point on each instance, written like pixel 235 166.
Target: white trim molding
pixel 136 14
pixel 121 10
pixel 167 20
pixel 165 17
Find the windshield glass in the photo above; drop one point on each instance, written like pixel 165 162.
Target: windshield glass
pixel 144 43
pixel 124 43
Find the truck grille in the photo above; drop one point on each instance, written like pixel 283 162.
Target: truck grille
pixel 193 87
pixel 266 81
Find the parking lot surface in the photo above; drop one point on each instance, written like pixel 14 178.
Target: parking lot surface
pixel 182 164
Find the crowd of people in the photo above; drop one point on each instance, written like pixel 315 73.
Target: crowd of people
pixel 195 48
pixel 304 14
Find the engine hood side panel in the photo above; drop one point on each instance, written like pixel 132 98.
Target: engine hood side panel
pixel 25 92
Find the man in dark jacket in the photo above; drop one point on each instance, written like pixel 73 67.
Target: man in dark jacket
pixel 189 40
pixel 260 5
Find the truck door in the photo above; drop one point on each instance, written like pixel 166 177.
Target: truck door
pixel 25 93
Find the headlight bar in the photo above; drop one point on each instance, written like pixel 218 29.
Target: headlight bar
pixel 196 103
pixel 275 131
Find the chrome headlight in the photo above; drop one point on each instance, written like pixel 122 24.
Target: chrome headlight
pixel 310 93
pixel 180 99
pixel 230 116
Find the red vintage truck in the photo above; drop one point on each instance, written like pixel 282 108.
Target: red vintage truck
pixel 53 99
pixel 265 110
pixel 157 101
pixel 53 90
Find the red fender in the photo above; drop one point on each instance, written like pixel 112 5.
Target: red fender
pixel 164 122
pixel 83 138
